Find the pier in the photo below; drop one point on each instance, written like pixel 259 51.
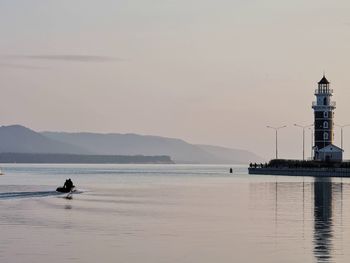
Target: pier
pixel 316 172
pixel 302 168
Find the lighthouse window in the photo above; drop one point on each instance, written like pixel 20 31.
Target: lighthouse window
pixel 325 125
pixel 325 101
pixel 325 136
pixel 325 114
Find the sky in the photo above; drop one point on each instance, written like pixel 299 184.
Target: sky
pixel 212 72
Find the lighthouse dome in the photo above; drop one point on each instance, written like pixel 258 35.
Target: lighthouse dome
pixel 323 81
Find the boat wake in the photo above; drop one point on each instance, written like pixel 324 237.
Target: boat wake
pixel 13 195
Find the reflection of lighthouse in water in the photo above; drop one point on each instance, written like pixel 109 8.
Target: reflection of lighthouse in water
pixel 323 219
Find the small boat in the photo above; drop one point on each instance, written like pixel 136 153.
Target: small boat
pixel 68 187
pixel 65 189
pixel 1 173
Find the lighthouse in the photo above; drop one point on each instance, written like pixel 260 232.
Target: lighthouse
pixel 324 149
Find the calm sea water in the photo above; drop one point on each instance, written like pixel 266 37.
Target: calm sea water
pixel 171 213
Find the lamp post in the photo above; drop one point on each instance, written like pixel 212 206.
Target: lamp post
pixel 341 132
pixel 312 141
pixel 276 134
pixel 303 127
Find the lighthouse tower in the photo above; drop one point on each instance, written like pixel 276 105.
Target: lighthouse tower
pixel 323 107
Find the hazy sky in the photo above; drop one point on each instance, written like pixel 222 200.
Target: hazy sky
pixel 214 72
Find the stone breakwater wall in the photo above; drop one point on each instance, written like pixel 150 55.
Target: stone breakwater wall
pixel 316 172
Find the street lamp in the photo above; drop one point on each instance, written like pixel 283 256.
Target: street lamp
pixel 341 132
pixel 276 134
pixel 312 140
pixel 303 127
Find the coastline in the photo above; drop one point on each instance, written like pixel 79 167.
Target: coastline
pixel 82 159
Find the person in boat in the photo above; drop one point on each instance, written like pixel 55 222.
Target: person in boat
pixel 68 185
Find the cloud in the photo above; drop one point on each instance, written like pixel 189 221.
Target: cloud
pixel 20 66
pixel 75 58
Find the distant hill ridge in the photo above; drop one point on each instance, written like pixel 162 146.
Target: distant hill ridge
pixel 19 139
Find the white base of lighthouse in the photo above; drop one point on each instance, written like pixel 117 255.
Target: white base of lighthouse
pixel 330 153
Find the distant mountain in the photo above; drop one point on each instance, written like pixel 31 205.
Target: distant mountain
pixel 133 144
pixel 20 139
pixel 228 155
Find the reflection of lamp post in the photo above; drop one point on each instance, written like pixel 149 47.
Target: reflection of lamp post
pixel 312 140
pixel 303 127
pixel 341 132
pixel 276 134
